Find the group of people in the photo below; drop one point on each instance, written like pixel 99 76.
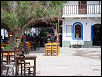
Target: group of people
pixel 51 38
pixel 37 40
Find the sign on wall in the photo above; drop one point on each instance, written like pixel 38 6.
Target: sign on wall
pixel 68 30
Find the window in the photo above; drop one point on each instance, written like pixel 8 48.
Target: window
pixel 68 30
pixel 77 31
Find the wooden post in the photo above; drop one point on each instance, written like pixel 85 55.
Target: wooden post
pixel 58 30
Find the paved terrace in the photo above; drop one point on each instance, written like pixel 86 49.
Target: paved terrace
pixel 70 62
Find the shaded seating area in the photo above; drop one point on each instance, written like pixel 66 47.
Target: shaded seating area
pixel 12 60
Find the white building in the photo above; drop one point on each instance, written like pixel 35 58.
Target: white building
pixel 81 23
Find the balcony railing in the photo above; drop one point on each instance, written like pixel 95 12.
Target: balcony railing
pixel 82 9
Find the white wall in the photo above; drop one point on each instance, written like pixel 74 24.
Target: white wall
pixel 66 22
pixel 76 2
pixel 92 2
pixel 86 27
pixel 72 2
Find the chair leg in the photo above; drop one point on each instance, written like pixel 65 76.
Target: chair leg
pixel 47 53
pixel 29 71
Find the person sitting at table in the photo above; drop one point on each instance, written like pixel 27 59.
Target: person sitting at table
pixel 48 38
pixel 53 38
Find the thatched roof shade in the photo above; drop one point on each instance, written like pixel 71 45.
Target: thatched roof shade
pixel 44 22
pixel 41 22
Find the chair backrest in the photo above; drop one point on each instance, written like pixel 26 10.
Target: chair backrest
pixel 6 54
pixel 54 47
pixel 47 48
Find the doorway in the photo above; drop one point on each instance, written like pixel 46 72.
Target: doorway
pixel 97 35
pixel 60 36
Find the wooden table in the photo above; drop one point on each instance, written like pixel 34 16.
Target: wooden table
pixel 25 58
pixel 9 53
pixel 52 44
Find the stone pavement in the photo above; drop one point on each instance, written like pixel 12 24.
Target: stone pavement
pixel 70 62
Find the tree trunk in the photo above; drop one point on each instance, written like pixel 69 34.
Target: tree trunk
pixel 12 40
pixel 16 33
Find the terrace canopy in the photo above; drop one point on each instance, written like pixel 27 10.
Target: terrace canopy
pixel 41 22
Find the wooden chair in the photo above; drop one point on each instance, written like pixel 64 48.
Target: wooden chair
pixel 48 48
pixel 55 48
pixel 29 67
pixel 25 67
pixel 1 64
pixel 7 55
pixel 21 62
pixel 28 47
pixel 8 60
pixel 21 66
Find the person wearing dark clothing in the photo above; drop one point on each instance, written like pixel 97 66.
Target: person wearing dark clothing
pixel 53 38
pixel 49 39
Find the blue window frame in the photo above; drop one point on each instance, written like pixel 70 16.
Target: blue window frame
pixel 92 33
pixel 68 30
pixel 74 31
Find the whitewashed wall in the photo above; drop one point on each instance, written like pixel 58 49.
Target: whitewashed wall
pixel 76 2
pixel 92 2
pixel 72 2
pixel 86 27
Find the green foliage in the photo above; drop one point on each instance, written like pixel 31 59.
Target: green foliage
pixel 16 13
pixel 7 47
pixel 10 19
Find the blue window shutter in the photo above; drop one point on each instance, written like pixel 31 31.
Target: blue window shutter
pixel 72 32
pixel 91 32
pixel 81 31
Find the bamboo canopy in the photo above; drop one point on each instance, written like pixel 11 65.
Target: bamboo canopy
pixel 43 22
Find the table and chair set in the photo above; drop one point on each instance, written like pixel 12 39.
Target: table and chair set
pixel 52 49
pixel 15 61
